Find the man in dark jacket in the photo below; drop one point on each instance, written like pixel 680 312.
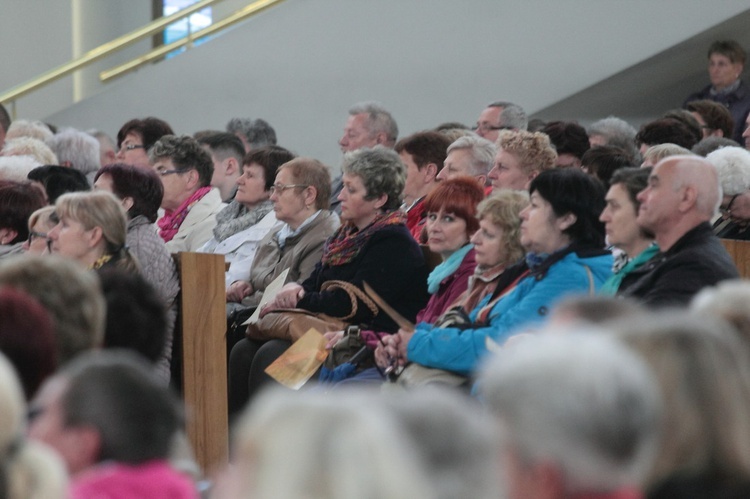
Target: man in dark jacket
pixel 677 205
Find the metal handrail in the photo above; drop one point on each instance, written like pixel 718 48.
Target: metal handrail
pixel 101 51
pixel 161 51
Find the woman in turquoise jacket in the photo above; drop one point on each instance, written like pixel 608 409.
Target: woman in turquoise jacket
pixel 564 241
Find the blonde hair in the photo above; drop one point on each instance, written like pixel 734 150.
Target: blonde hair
pixel 503 209
pixel 533 150
pixel 324 446
pixel 30 471
pixel 100 209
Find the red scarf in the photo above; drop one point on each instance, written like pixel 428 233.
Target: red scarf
pixel 344 245
pixel 170 223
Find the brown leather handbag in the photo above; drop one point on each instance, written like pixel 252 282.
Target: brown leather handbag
pixel 290 324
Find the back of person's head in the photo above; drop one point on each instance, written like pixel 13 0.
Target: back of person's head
pixel 58 180
pixel 481 150
pixel 425 148
pixel 656 153
pixel 733 167
pixel 715 115
pixel 459 196
pixel 615 132
pixel 533 150
pixel 454 438
pixel 568 138
pixel 603 161
pixel 70 294
pixel 17 168
pixel 596 309
pixel 569 190
pixel 18 200
pixel 257 133
pixel 141 185
pixel 284 456
pixel 27 338
pixel 686 118
pixel 28 146
pixel 29 471
pixel 149 129
pixel 727 300
pixel 223 145
pixel 710 144
pixel 185 153
pixel 701 175
pixel 28 128
pixel 379 120
pixel 76 149
pixel 5 119
pixel 703 370
pixel 311 172
pixel 666 130
pixel 581 402
pixel 136 315
pixel 382 173
pixel 269 158
pixel 114 392
pixel 729 49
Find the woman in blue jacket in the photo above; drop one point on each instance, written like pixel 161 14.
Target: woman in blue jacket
pixel 564 241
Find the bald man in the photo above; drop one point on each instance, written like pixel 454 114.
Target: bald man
pixel 677 205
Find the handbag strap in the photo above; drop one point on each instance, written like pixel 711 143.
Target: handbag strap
pixel 354 293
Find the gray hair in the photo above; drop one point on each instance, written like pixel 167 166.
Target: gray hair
pixel 616 132
pixel 78 148
pixel 512 115
pixel 324 446
pixel 733 166
pixel 703 372
pixel 258 133
pixel 378 120
pixel 660 151
pixel 710 144
pixel 583 401
pixel 482 152
pixel 456 440
pixel 17 168
pixel 381 171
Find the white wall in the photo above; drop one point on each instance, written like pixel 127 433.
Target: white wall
pixel 300 65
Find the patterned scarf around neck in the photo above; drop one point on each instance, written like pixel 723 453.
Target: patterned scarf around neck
pixel 170 223
pixel 344 245
pixel 235 217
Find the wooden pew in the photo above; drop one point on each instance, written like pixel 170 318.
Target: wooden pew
pixel 740 253
pixel 202 354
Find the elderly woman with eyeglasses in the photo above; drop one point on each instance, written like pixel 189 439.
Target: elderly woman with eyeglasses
pixel 300 198
pixel 245 221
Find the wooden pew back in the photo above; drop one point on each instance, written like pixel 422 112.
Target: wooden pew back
pixel 202 354
pixel 740 253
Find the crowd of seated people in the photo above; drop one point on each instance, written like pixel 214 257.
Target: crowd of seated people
pixel 562 290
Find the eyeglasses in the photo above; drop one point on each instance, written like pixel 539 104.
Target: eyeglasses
pixel 164 173
pixel 36 235
pixel 488 128
pixel 282 187
pixel 130 147
pixel 728 208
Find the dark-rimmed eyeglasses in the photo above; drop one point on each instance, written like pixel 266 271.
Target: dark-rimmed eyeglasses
pixel 130 147
pixel 36 235
pixel 164 173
